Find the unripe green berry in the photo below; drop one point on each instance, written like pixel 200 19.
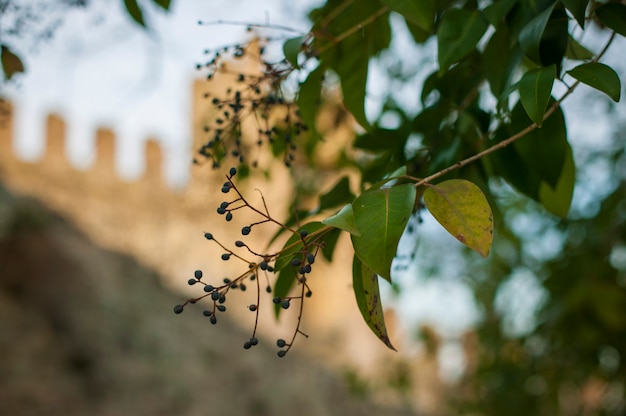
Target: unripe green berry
pixel 178 309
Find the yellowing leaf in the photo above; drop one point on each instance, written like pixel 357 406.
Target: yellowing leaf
pixel 365 284
pixel 461 207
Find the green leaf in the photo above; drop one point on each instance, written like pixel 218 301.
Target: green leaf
pixel 462 209
pixel 309 100
pixel 367 293
pixel 613 15
pixel 496 11
pixel 381 216
pixel 418 12
pixel 11 63
pixel 134 11
pixel 501 59
pixel 285 281
pixel 294 244
pixel 535 88
pixel 599 76
pixel 530 35
pixel 330 241
pixel 292 48
pixel 577 8
pixel 164 4
pixel 542 150
pixel 457 35
pixel 339 194
pixel 577 52
pixel 559 199
pixel 343 220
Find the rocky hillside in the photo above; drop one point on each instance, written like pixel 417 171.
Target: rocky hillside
pixel 89 331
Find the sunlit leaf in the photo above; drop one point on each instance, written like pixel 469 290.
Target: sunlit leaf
pixel 458 33
pixel 343 220
pixel 134 11
pixel 381 216
pixel 599 76
pixel 292 48
pixel 11 63
pixel 559 199
pixel 462 209
pixel 613 15
pixel 418 12
pixel 535 88
pixel 366 291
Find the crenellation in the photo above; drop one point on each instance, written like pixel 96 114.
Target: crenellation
pixel 153 155
pixel 55 156
pixel 104 163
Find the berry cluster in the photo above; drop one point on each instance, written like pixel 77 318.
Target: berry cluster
pixel 292 264
pixel 257 96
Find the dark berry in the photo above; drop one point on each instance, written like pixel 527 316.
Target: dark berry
pixel 254 341
pixel 247 345
pixel 270 269
pixel 213 319
pixel 197 274
pixel 226 280
pixel 304 233
pixel 226 189
pixel 310 258
pixel 221 211
pixel 178 309
pixel 308 294
pixel 221 308
pixel 225 256
pixel 224 205
pixel 280 343
pixel 268 289
pixel 229 216
pixel 208 288
pixel 282 353
pixel 295 262
pixel 233 172
pixel 302 270
pixel 285 304
pixel 252 308
pixel 246 230
pixel 276 300
pixel 207 313
pixel 222 299
pixel 263 265
pixel 307 268
pixel 208 236
pixel 191 282
pixel 239 243
pixel 242 287
pixel 215 295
